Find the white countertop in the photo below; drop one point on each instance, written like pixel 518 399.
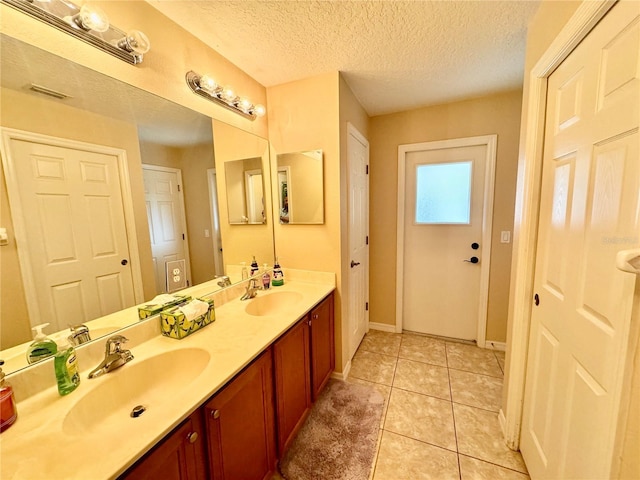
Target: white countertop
pixel 37 446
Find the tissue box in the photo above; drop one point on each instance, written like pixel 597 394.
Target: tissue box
pixel 146 311
pixel 174 324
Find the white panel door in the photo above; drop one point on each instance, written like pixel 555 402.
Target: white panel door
pixel 590 204
pixel 358 158
pixel 74 223
pixel 167 224
pixel 443 235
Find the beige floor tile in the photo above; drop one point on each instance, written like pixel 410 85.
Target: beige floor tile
pixel 476 390
pixel 402 458
pixel 384 390
pixel 423 349
pixel 381 342
pixel 422 378
pixel 373 367
pixel 422 418
pixel 474 469
pixel 479 436
pixel 472 359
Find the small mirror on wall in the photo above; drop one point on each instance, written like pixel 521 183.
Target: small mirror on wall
pixel 301 188
pixel 245 191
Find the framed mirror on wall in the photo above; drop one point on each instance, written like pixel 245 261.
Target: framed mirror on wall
pixel 174 213
pixel 300 185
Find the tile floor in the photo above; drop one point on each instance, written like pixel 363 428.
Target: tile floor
pixel 440 419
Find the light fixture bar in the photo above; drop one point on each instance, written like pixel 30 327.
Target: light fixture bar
pixel 218 95
pixel 57 12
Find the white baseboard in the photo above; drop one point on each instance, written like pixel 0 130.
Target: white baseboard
pixel 383 327
pixel 493 345
pixel 344 374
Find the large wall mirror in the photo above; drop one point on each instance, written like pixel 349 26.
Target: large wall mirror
pixel 300 187
pixel 131 176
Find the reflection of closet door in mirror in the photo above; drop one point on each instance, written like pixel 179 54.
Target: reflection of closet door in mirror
pixel 255 196
pixel 301 187
pixel 73 243
pixel 167 221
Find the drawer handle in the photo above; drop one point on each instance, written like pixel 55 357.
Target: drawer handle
pixel 192 437
pixel 215 414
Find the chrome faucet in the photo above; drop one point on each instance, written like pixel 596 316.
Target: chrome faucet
pixel 223 281
pixel 114 356
pixel 79 334
pixel 252 289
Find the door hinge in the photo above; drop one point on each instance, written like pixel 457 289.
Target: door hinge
pixel 188 284
pixel 178 187
pixel 183 236
pixel 366 306
pixel 367 239
pixel 367 169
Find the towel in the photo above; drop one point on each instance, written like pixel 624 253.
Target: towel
pixel 161 299
pixel 194 309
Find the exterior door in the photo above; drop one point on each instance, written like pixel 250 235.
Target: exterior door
pixel 589 211
pixel 358 159
pixel 444 246
pixel 75 234
pixel 167 225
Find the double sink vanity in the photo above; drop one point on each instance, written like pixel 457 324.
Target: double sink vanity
pixel 224 402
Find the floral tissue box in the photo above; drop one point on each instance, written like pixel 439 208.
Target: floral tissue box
pixel 149 310
pixel 174 324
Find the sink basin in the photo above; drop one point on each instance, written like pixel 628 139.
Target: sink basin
pixel 272 303
pixel 149 382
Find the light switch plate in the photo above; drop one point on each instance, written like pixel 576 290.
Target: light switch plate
pixel 505 236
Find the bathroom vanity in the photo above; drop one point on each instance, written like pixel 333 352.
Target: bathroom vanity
pixel 224 402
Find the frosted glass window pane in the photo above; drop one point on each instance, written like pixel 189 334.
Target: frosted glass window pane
pixel 443 193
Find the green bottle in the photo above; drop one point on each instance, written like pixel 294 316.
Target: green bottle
pixel 42 347
pixel 65 364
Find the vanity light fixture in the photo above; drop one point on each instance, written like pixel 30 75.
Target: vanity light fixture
pixel 89 23
pixel 207 87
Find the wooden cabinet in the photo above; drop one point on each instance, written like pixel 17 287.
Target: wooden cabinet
pixel 240 425
pixel 293 382
pixel 323 359
pixel 180 456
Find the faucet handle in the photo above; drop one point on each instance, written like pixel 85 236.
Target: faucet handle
pixel 116 341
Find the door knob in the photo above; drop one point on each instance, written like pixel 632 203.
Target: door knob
pixel 475 245
pixel 354 264
pixel 472 260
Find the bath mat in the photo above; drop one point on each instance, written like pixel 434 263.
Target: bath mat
pixel 338 440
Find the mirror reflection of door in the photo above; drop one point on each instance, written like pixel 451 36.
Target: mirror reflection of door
pixel 167 221
pixel 255 196
pixel 284 194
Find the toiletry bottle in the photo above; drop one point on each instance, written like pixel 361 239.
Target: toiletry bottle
pixel 66 367
pixel 266 278
pixel 245 271
pixel 278 276
pixel 8 409
pixel 42 347
pixel 254 267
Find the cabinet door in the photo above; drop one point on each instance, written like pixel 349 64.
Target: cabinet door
pixel 240 425
pixel 293 387
pixel 180 456
pixel 323 358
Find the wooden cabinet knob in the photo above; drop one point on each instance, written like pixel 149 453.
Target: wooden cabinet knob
pixel 215 414
pixel 192 437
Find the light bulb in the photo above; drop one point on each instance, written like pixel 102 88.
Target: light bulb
pixel 135 41
pixel 228 94
pixel 259 110
pixel 208 84
pixel 244 104
pixel 92 18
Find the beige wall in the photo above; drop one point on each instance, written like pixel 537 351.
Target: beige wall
pixel 174 51
pixel 35 114
pixel 304 115
pixel 496 114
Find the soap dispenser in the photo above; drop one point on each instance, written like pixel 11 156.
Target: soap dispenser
pixel 254 267
pixel 65 364
pixel 278 276
pixel 266 277
pixel 244 271
pixel 42 347
pixel 8 410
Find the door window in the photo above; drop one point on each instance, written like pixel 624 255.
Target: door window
pixel 443 193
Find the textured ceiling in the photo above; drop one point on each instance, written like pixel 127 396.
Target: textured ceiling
pixel 395 55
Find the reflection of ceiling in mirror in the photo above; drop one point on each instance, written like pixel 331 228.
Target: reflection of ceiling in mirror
pixel 158 120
